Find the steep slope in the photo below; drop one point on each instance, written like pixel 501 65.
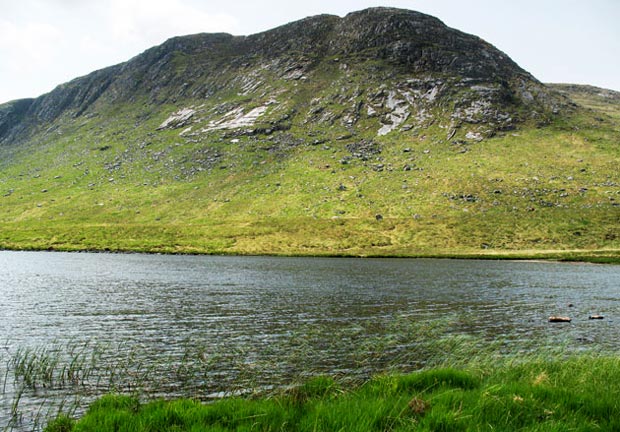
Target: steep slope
pixel 383 132
pixel 409 63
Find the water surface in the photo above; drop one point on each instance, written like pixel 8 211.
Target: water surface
pixel 204 324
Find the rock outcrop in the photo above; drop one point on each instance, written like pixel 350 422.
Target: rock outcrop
pixel 403 69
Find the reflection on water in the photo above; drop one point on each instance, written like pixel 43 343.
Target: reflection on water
pixel 177 324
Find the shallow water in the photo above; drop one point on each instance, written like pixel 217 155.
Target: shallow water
pixel 199 325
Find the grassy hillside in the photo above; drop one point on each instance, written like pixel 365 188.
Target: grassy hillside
pixel 594 98
pixel 528 191
pixel 295 149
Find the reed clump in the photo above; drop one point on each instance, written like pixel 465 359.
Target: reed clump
pixel 41 383
pixel 577 393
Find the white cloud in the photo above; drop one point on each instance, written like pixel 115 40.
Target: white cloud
pixel 46 42
pixel 151 20
pixel 28 47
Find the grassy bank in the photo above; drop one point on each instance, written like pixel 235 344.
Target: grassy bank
pixel 594 256
pixel 38 383
pixel 575 394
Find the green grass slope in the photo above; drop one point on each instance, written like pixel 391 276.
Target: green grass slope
pixel 535 191
pixel 298 150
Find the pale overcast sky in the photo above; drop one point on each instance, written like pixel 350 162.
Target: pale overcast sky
pixel 44 43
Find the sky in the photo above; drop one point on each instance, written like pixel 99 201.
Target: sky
pixel 44 43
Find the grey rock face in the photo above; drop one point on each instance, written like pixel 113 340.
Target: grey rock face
pixel 430 69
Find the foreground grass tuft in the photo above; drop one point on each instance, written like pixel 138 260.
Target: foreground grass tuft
pixel 576 394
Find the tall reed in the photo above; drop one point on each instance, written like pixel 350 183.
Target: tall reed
pixel 65 378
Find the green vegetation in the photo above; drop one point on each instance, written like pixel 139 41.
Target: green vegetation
pixel 460 383
pixel 534 193
pixel 491 165
pixel 38 384
pixel 574 394
pixel 63 378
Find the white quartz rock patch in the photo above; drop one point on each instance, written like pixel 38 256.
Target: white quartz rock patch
pixel 178 119
pixel 476 136
pixel 400 113
pixel 431 95
pixel 236 119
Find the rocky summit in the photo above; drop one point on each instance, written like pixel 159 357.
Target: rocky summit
pixel 402 69
pixel 383 132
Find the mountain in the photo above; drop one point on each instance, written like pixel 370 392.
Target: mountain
pixel 381 133
pixel 409 63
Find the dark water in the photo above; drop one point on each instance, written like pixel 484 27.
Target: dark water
pixel 185 325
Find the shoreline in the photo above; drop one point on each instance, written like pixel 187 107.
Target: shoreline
pixel 543 256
